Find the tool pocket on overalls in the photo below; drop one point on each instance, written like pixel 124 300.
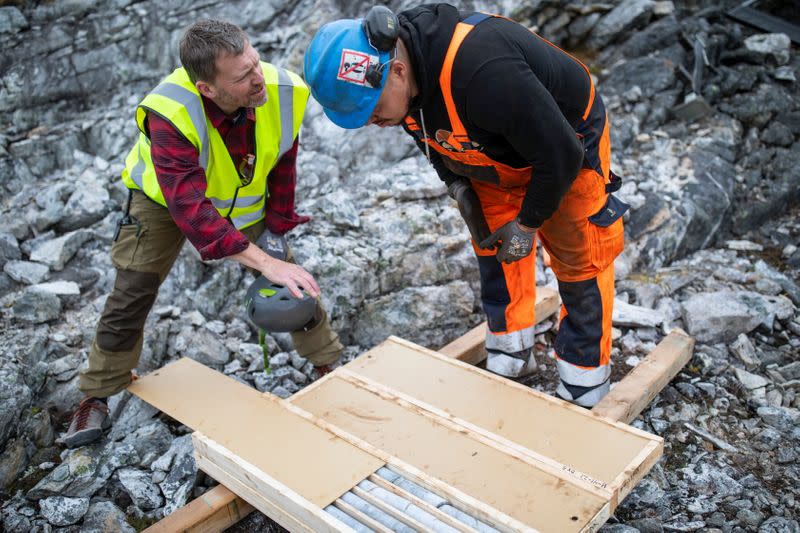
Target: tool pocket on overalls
pixel 607 236
pixel 126 242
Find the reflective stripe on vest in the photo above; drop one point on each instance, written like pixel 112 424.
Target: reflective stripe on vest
pixel 277 123
pixel 458 152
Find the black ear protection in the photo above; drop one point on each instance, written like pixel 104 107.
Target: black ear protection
pixel 382 29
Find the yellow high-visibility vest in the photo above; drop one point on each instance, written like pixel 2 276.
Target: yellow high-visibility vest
pixel 177 100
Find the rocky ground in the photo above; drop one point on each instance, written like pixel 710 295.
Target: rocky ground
pixel 713 244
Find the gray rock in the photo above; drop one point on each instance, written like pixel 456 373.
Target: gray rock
pixel 105 517
pixel 745 351
pixel 789 286
pixel 84 471
pixel 87 204
pixel 773 45
pixel 777 134
pixel 709 480
pixel 26 272
pixel 791 371
pixel 339 210
pixel 407 314
pixel 784 419
pixel 767 440
pixel 128 413
pixel 56 252
pixel 645 495
pixel 628 15
pixel 59 288
pixel 207 348
pixel 214 294
pixel 617 528
pixel 281 392
pixel 14 522
pixel 722 316
pixel 137 483
pixel 11 20
pixel 150 442
pixel 278 360
pixel 298 361
pixel 646 525
pixel 65 368
pixel 38 427
pixel 9 247
pixel 701 506
pixel 180 480
pixel 63 511
pixel 750 381
pixel 37 307
pixel 626 314
pixel 779 524
pixel 265 382
pixel 13 461
pixel 785 74
pixel 15 396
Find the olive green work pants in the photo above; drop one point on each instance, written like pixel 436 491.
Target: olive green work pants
pixel 143 255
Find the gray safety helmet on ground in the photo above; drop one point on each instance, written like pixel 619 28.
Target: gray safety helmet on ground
pixel 272 307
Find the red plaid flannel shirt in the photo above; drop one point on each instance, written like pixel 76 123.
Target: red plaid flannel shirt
pixel 183 182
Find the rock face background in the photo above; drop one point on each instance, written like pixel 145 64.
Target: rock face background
pixel 713 241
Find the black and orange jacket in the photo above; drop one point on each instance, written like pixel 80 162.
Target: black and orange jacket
pixel 520 99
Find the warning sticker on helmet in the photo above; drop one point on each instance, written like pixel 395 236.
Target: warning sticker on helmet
pixel 354 65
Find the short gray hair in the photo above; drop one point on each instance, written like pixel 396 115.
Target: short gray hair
pixel 204 41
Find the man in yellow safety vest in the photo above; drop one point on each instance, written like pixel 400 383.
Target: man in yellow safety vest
pixel 214 163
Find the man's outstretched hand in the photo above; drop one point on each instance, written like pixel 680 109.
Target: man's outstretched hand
pixel 292 276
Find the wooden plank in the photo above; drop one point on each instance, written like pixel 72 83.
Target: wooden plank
pixel 539 422
pixel 267 494
pixel 470 346
pixel 457 498
pixel 632 394
pixel 214 511
pixel 504 482
pixel 581 480
pixel 637 469
pixel 243 420
pixel 422 504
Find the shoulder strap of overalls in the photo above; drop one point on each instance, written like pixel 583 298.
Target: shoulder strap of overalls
pixel 463 28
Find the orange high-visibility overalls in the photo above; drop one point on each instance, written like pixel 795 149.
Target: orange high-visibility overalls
pixel 583 237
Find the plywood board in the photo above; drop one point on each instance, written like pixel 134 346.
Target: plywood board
pixel 548 426
pixel 271 497
pixel 256 428
pixel 514 487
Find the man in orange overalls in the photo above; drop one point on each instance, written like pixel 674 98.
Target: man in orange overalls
pixel 514 127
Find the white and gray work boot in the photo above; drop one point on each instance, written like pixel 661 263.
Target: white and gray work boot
pixel 583 396
pixel 88 423
pixel 511 365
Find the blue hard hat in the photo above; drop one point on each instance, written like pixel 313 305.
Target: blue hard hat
pixel 335 68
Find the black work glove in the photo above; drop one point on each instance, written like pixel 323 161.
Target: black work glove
pixel 470 207
pixel 515 242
